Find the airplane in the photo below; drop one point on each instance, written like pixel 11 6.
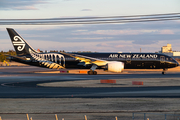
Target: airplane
pixel 114 62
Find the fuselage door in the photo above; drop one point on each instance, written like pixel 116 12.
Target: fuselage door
pixel 128 60
pixel 162 59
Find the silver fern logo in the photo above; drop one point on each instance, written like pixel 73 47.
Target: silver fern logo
pixel 50 60
pixel 19 42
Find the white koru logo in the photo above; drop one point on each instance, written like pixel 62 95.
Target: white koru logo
pixel 20 44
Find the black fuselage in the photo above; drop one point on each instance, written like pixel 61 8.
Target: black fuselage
pixel 130 60
pixel 26 54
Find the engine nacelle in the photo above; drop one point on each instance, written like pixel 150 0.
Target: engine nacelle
pixel 115 66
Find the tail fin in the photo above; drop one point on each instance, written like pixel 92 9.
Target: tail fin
pixel 20 45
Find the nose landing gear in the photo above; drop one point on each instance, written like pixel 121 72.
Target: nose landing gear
pixel 164 70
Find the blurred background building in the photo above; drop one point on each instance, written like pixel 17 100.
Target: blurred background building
pixel 168 51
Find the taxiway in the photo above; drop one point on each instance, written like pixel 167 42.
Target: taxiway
pixel 24 82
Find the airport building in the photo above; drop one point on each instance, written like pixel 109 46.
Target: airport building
pixel 168 51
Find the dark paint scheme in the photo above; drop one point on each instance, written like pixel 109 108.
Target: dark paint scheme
pixel 26 54
pixel 135 61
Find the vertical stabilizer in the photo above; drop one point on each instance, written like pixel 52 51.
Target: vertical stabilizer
pixel 20 45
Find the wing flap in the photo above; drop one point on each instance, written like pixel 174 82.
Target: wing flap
pixel 87 60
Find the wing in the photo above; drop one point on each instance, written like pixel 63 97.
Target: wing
pixel 12 56
pixel 87 60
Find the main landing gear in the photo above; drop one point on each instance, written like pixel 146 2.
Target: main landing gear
pixel 92 70
pixel 164 70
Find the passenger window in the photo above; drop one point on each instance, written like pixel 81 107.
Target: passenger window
pixel 166 58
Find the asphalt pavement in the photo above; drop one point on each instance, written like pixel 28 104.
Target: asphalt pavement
pixel 22 82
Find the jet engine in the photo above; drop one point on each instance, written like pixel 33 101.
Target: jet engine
pixel 115 66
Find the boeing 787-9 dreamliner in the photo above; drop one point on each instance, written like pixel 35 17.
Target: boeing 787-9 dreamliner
pixel 114 62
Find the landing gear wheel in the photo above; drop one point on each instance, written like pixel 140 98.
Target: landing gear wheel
pixel 92 73
pixel 164 70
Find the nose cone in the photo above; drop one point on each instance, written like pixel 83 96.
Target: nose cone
pixel 177 64
pixel 174 63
